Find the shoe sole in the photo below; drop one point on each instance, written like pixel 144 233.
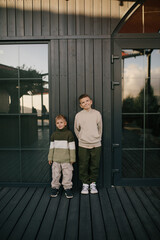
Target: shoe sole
pixel 85 193
pixel 68 196
pixel 54 195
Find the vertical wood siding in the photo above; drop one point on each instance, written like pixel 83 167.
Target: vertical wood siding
pixel 79 66
pixel 59 17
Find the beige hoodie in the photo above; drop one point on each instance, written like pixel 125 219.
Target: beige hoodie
pixel 88 128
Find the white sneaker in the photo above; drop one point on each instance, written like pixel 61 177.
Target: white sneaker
pixel 85 189
pixel 93 188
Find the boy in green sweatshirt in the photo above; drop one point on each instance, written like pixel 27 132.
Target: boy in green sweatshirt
pixel 61 156
pixel 88 129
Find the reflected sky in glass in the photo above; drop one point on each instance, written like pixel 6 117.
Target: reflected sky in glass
pixel 33 56
pixel 135 72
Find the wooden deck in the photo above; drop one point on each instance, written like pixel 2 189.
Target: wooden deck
pixel 115 213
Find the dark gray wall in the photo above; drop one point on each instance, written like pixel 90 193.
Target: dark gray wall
pixel 79 37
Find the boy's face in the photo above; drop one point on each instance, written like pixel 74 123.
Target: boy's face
pixel 86 103
pixel 60 123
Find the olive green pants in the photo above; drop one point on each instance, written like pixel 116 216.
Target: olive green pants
pixel 89 160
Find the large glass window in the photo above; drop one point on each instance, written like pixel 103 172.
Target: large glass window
pixel 141 113
pixel 24 112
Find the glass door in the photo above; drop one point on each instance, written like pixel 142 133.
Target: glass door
pixel 136 146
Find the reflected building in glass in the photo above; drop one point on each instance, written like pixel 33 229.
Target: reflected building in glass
pixel 24 112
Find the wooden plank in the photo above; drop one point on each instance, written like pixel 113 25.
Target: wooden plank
pixel 73 218
pixel 7 198
pixel 89 18
pixel 3 192
pixel 54 84
pixel 152 196
pixel 156 191
pixel 49 219
pixel 6 231
pixel 98 74
pixel 63 18
pixel 45 18
pixel 152 211
pixel 97 17
pixel 28 27
pixel 97 218
pixel 134 220
pixel 11 18
pixel 143 215
pixel 106 17
pixel 19 18
pixel 85 228
pixel 80 69
pixel 37 24
pixel 80 13
pixel 63 78
pixel 35 222
pixel 6 212
pixel 89 66
pixel 54 25
pixel 3 19
pixel 26 217
pixel 61 219
pixel 122 221
pixel 106 99
pixel 115 14
pixel 71 17
pixel 72 82
pixel 108 216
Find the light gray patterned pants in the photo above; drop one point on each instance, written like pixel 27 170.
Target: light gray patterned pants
pixel 64 169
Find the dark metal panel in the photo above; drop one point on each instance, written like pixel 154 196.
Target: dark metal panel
pixel 107 121
pixel 115 14
pixel 89 66
pixel 71 17
pixel 89 17
pixel 80 13
pixel 45 18
pixel 63 20
pixel 72 96
pixel 106 5
pixel 97 17
pixel 98 74
pixel 54 79
pixel 3 19
pixel 97 97
pixel 54 17
pixel 28 18
pixel 19 18
pixel 37 24
pixel 11 13
pixel 63 78
pixel 72 84
pixel 80 69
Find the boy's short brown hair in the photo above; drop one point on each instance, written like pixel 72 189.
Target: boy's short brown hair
pixel 83 96
pixel 60 116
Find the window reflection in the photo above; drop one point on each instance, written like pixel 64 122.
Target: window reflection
pixel 141 101
pixel 132 164
pixel 10 166
pixel 24 92
pixel 152 167
pixel 35 167
pixel 132 131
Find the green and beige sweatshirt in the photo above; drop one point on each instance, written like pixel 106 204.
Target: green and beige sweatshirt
pixel 62 146
pixel 88 128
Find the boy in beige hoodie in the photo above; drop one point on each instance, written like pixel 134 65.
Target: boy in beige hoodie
pixel 88 129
